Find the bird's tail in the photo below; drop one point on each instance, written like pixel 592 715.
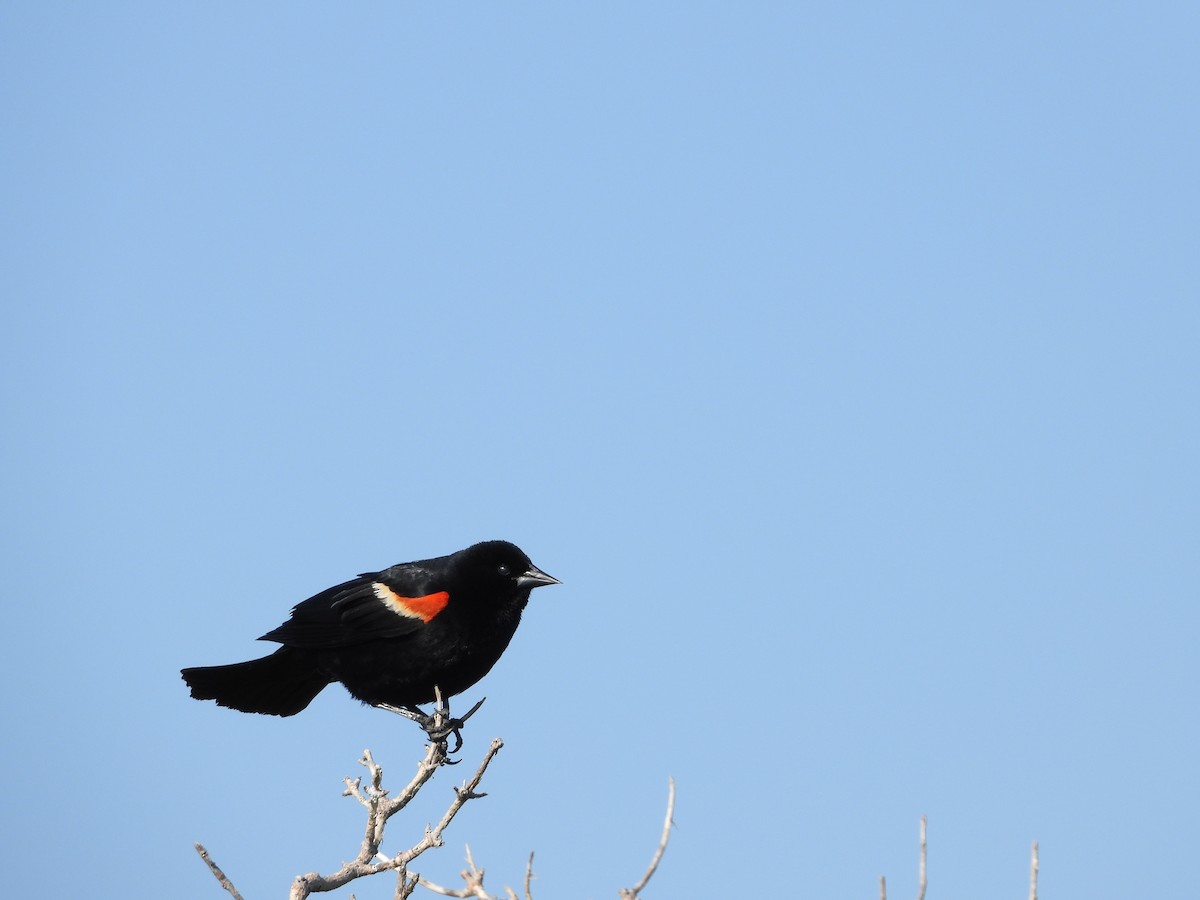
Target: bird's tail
pixel 281 684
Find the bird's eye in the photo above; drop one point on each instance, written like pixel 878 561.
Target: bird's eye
pixel 503 570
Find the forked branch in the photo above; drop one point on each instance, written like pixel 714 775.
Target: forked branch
pixel 380 808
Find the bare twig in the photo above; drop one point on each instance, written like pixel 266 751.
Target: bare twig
pixel 921 883
pixel 472 875
pixel 473 888
pixel 217 873
pixel 404 885
pixel 1033 872
pixel 380 808
pixel 633 892
pixel 444 891
pixel 529 877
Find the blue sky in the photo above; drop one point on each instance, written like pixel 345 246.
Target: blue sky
pixel 841 360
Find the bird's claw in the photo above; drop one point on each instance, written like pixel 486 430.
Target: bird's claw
pixel 439 725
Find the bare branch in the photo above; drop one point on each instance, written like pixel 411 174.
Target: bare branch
pixel 473 889
pixel 472 875
pixel 633 892
pixel 921 883
pixel 370 793
pixel 380 808
pixel 217 873
pixel 1033 872
pixel 529 877
pixel 404 885
pixel 444 891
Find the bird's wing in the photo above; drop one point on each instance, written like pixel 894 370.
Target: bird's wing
pixel 388 604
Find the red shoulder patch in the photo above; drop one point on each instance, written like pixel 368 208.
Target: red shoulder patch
pixel 423 608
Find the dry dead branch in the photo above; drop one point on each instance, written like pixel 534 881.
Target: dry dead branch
pixel 380 808
pixel 1033 871
pixel 633 892
pixel 217 873
pixel 921 881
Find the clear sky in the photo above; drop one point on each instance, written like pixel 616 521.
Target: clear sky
pixel 841 359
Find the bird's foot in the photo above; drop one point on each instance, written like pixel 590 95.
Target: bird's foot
pixel 439 724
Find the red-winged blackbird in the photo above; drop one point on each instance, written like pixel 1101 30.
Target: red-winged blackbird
pixel 390 637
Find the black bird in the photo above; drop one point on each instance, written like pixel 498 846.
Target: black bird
pixel 390 637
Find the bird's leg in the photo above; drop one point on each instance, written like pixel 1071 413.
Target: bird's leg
pixel 440 724
pixel 412 713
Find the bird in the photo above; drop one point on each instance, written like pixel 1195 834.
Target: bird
pixel 397 638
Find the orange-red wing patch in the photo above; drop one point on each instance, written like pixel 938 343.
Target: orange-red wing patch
pixel 423 608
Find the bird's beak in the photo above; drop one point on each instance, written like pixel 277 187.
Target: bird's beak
pixel 535 577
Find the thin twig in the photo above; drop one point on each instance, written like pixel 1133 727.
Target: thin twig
pixel 217 873
pixel 529 877
pixel 404 885
pixel 472 875
pixel 633 892
pixel 921 883
pixel 1033 872
pixel 444 891
pixel 473 889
